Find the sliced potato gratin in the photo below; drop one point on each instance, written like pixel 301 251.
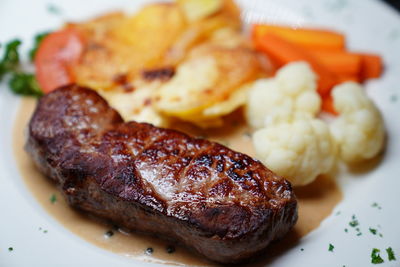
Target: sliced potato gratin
pixel 199 40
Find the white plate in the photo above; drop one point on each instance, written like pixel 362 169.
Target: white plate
pixel 369 26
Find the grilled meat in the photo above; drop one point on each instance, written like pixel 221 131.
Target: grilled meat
pixel 221 203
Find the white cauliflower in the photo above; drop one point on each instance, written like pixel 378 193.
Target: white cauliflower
pixel 298 150
pixel 291 94
pixel 359 129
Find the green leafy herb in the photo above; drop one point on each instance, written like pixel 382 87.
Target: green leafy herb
pixel 10 60
pixel 302 249
pixel 24 84
pixel 20 82
pixel 375 257
pixel 10 249
pixel 53 198
pixel 38 39
pixel 346 230
pixel 373 231
pixel 331 247
pixel 390 253
pixel 45 231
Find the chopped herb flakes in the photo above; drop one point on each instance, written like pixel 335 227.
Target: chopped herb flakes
pixel 149 251
pixel 390 253
pixel 375 257
pixel 354 222
pixel 109 234
pixel 302 249
pixel 346 230
pixel 338 213
pixel 45 231
pixel 53 198
pixel 170 249
pixel 376 205
pixel 331 247
pixel 372 230
pixel 10 249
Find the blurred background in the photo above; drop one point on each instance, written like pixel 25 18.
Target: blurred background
pixel 394 3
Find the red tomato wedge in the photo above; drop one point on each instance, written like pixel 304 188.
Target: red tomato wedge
pixel 56 55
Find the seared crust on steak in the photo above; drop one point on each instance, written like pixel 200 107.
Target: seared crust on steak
pixel 224 204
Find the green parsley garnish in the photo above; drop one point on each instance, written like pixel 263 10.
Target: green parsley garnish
pixel 346 230
pixel 10 249
pixel 390 253
pixel 375 257
pixel 38 39
pixel 53 198
pixel 331 247
pixel 353 222
pixel 372 230
pixel 24 84
pixel 20 82
pixel 10 60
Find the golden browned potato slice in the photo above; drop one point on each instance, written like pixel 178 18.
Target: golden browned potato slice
pixel 210 75
pixel 151 32
pixel 126 45
pixel 199 9
pixel 200 31
pixel 136 105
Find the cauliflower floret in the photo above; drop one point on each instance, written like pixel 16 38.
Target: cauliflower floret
pixel 359 129
pixel 298 151
pixel 290 95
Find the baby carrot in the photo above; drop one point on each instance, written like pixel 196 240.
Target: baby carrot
pixel 282 52
pixel 308 38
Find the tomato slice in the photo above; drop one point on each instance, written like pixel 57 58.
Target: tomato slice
pixel 56 55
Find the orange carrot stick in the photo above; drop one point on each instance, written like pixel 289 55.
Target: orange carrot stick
pixel 371 66
pixel 309 38
pixel 282 52
pixel 327 105
pixel 339 62
pixel 348 77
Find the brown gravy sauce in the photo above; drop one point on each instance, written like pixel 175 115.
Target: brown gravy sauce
pixel 316 201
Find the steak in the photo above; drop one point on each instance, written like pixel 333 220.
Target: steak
pixel 221 203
